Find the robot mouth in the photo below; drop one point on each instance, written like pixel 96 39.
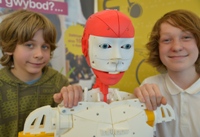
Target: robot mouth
pixel 113 72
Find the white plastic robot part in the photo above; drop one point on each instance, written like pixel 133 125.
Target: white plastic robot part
pixel 123 117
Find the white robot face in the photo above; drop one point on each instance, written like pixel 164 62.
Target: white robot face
pixel 111 55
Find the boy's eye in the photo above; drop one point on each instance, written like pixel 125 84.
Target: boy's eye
pixel 165 40
pixel 45 46
pixel 29 45
pixel 104 46
pixel 126 46
pixel 186 37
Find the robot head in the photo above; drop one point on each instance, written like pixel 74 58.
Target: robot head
pixel 107 42
pixel 107 23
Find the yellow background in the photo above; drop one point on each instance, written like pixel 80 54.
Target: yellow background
pixel 72 39
pixel 151 11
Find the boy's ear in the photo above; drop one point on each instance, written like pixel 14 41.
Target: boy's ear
pixel 8 53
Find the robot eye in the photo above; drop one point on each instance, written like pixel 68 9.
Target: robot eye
pixel 104 46
pixel 126 46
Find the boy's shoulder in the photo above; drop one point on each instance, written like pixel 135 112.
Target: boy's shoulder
pixel 7 77
pixel 50 75
pixel 155 78
pixel 5 72
pixel 49 72
pixel 3 69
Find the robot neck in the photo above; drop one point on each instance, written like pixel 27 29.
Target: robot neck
pixel 104 80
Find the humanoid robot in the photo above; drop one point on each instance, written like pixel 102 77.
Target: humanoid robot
pixel 107 44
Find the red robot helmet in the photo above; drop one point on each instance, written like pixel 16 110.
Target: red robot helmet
pixel 106 23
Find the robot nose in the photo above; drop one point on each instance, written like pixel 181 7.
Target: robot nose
pixel 114 61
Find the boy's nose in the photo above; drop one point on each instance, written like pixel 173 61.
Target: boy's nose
pixel 177 45
pixel 38 53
